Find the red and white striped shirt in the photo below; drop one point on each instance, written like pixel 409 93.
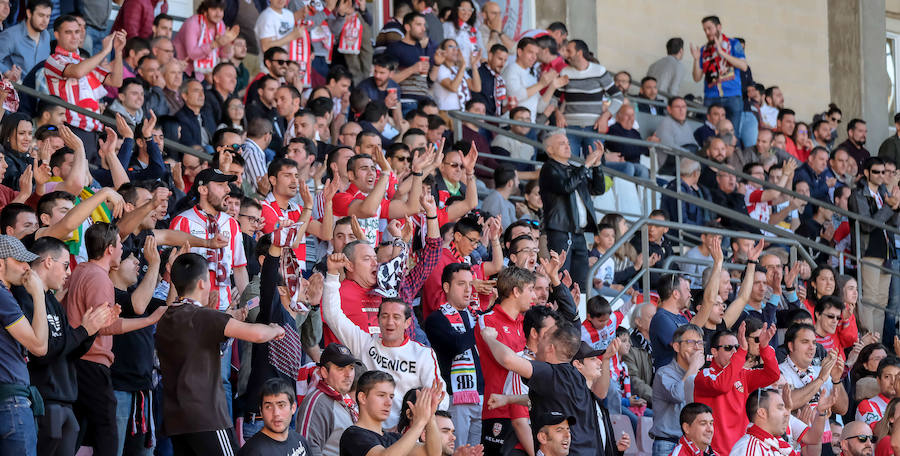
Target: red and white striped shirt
pixel 872 410
pixel 84 92
pixel 687 448
pixel 194 222
pixel 756 208
pixel 599 339
pixel 276 218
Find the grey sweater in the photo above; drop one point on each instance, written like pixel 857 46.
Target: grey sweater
pixel 670 394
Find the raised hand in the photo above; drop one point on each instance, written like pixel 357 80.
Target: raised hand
pixel 756 251
pixel 306 196
pixel 393 227
pixel 115 202
pixel 612 349
pixel 336 263
pixel 489 332
pixel 768 332
pixel 70 139
pixel 554 263
pixel 119 39
pixel 151 252
pixel 496 401
pixel 716 252
pixel 314 288
pixel 26 185
pixel 468 160
pixel 428 203
pixel 742 336
pixel 331 188
pixel 695 52
pixel 149 124
pixel 96 318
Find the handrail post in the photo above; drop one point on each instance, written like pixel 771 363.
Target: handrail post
pixel 678 190
pixel 859 263
pixel 457 129
pixel 645 252
pixel 653 172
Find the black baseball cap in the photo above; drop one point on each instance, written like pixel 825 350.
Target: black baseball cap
pixel 586 351
pixel 212 175
pixel 551 419
pixel 337 354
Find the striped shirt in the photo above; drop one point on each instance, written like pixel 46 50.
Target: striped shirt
pixel 255 159
pixel 585 93
pixel 193 222
pixel 84 92
pixel 276 218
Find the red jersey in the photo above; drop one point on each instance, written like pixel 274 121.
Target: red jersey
pixel 845 336
pixel 511 334
pixel 360 306
pixel 277 218
pixel 370 226
pixel 84 92
pixel 433 292
pixel 687 448
pixel 725 391
pixel 872 410
pixel 599 339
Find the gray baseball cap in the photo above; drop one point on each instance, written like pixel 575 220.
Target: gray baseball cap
pixel 11 247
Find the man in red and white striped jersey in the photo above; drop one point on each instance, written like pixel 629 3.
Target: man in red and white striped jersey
pixel 207 220
pixel 872 410
pixel 697 424
pixel 80 81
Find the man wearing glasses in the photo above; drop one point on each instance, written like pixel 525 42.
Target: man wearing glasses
pixel 857 440
pixel 725 385
pixel 673 385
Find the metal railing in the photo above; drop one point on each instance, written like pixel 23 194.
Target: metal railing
pixel 650 186
pixel 662 104
pixel 108 121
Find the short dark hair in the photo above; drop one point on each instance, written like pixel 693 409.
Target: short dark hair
pixel 672 100
pixel 890 360
pixel 690 412
pixel 681 330
pixel 374 111
pixel 33 4
pixel 130 81
pixel 135 44
pixel 566 338
pixel 524 42
pixel 407 309
pixel 270 53
pixel 674 46
pixel 785 112
pixel 504 174
pixel 47 201
pixel 351 163
pixel 258 127
pixel 45 246
pixel 385 61
pixel 558 27
pixel 828 302
pixel 647 79
pixel 162 17
pixel 718 335
pixel 279 163
pixel 758 399
pixel 598 306
pixel 714 106
pixel 852 124
pixel 667 284
pixel 188 270
pixel 872 161
pixel 10 213
pixel 451 269
pixel 369 379
pixel 98 237
pixel 791 334
pixel 535 317
pixel 338 72
pixel 498 48
pixel 275 387
pixel 714 19
pixel 466 225
pixel 62 20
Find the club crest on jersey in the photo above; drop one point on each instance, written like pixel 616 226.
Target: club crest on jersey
pixel 739 386
pixel 506 329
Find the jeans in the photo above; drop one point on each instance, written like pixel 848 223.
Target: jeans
pixel 467 421
pixel 18 433
pixel 749 129
pixel 662 448
pixel 580 144
pixel 124 401
pixel 226 376
pixel 734 108
pixel 249 429
pixel 632 169
pixel 893 306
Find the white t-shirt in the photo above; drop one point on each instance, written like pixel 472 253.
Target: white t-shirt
pixel 606 271
pixel 446 100
pixel 274 25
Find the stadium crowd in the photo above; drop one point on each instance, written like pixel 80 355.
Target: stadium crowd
pixel 325 271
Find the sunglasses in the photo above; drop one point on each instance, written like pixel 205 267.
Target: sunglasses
pixel 236 147
pixel 863 438
pixel 454 165
pixel 727 348
pixel 835 120
pixel 831 317
pixel 876 171
pixel 403 158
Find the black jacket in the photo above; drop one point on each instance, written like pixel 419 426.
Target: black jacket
pixel 880 243
pixel 54 373
pixel 190 126
pixel 558 184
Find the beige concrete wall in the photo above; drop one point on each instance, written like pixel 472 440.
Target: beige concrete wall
pixel 787 43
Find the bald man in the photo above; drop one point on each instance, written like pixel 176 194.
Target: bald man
pixel 857 440
pixel 492 27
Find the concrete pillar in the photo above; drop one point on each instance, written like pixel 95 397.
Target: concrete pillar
pixel 859 82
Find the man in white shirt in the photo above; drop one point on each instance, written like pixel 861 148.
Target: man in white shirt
pixel 807 380
pixel 524 86
pixel 275 26
pixel 774 102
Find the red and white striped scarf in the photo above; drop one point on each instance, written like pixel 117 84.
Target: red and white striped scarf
pixel 351 35
pixel 775 444
pixel 285 353
pixel 347 402
pixel 291 267
pixel 462 92
pixel 499 89
pixel 207 35
pixel 300 51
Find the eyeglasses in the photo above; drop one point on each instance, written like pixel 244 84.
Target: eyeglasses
pixel 755 339
pixel 466 9
pixel 252 218
pixel 534 251
pixel 475 241
pixel 727 348
pixel 454 165
pixel 64 263
pixel 863 438
pixel 236 147
pixel 403 158
pixel 696 342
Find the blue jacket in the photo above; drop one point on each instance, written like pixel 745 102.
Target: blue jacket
pixel 818 189
pixel 190 126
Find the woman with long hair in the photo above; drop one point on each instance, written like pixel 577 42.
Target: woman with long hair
pixel 821 283
pixel 533 208
pixel 17 135
pixel 233 115
pixel 802 141
pixel 885 426
pixel 460 26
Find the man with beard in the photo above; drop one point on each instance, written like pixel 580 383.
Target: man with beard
pixel 275 59
pixel 25 44
pixel 821 135
pixel 856 142
pixel 381 86
pixel 208 219
pixel 769 419
pixel 328 410
pixel 493 87
pixel 413 60
pixel 717 151
pixel 411 364
pixel 278 402
pixel 857 440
